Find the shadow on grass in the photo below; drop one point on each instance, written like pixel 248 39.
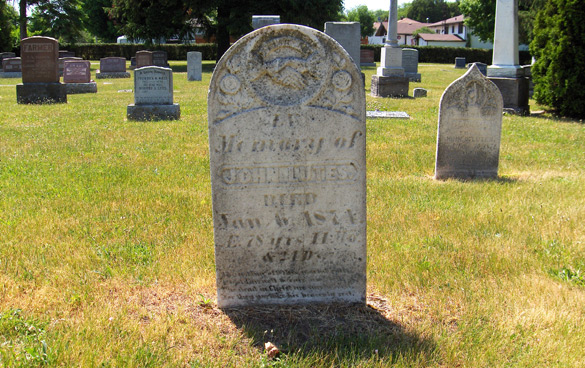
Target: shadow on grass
pixel 552 117
pixel 344 332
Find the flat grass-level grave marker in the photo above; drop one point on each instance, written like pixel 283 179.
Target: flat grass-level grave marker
pixel 77 77
pixel 287 142
pixel 470 126
pixel 40 72
pixel 153 95
pixel 112 67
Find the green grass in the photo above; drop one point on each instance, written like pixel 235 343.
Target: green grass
pixel 106 244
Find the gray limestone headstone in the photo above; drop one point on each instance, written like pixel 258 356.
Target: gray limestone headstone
pixel 194 66
pixel 348 35
pixel 259 21
pixel 153 95
pixel 470 125
pixel 286 112
pixel 6 55
pixel 410 64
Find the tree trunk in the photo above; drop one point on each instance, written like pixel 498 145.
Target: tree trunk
pixel 22 19
pixel 222 35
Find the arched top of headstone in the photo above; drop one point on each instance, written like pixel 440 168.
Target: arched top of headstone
pixel 472 89
pixel 36 38
pixel 285 65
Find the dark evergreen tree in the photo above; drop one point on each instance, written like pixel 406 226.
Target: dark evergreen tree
pixel 559 48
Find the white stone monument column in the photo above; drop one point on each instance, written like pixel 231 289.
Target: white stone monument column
pixel 505 55
pixel 391 54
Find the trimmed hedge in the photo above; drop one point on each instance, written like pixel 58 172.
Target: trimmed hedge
pixel 174 52
pixel 447 55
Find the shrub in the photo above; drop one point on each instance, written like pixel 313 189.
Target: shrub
pixel 559 70
pixel 174 52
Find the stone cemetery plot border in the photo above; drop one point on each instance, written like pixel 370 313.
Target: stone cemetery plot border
pixel 286 113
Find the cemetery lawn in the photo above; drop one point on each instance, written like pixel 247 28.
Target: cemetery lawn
pixel 107 258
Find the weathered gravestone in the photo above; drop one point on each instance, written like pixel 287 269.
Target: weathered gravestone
pixel 133 62
pixel 143 58
pixel 11 68
pixel 77 77
pixel 419 92
pixel 160 58
pixel 470 125
pixel 410 64
pixel 287 129
pixel 112 67
pixel 153 95
pixel 40 72
pixel 66 54
pixel 194 68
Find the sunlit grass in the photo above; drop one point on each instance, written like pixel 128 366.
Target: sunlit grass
pixel 106 246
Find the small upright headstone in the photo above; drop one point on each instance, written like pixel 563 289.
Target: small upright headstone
pixel 144 58
pixel 470 125
pixel 410 64
pixel 112 67
pixel 160 58
pixel 153 95
pixel 348 35
pixel 11 68
pixel 40 72
pixel 286 112
pixel 62 61
pixel 419 92
pixel 194 68
pixel 77 77
pixel 6 55
pixel 259 21
pixel 459 63
pixel 367 57
pixel 133 62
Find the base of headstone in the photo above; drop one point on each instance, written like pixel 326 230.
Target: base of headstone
pixel 41 93
pixel 10 74
pixel 75 88
pixel 389 86
pixel 466 174
pixel 153 112
pixel 367 64
pixel 106 75
pixel 413 77
pixel 419 92
pixel 505 71
pixel 515 92
pixel 193 79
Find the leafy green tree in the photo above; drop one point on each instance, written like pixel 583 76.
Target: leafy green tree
pixel 422 30
pixel 559 70
pixel 61 19
pixel 433 10
pixel 151 19
pixel 8 23
pixel 98 21
pixel 366 18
